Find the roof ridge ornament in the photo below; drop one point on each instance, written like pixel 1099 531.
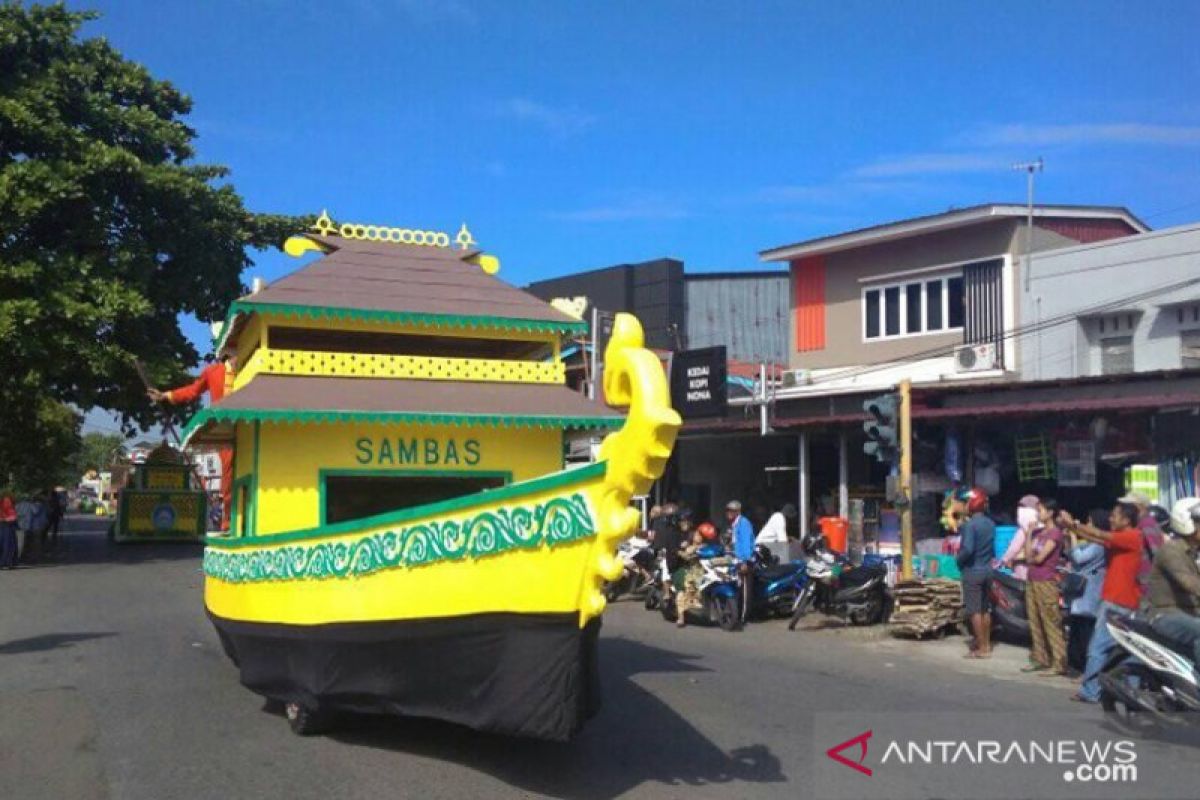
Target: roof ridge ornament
pixel 325 226
pixel 463 239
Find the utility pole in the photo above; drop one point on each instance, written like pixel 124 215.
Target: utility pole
pixel 1029 167
pixel 595 344
pixel 906 539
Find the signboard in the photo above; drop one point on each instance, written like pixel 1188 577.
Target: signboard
pixel 698 382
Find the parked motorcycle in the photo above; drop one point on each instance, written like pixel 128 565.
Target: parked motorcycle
pixel 1148 673
pixel 1009 615
pixel 838 588
pixel 718 590
pixel 776 586
pixel 635 553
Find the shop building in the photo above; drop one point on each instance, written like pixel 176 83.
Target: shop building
pixel 1116 307
pixel 934 299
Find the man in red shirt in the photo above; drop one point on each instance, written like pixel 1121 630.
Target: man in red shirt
pixel 1124 546
pixel 217 380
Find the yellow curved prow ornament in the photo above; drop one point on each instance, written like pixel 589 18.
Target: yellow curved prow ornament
pixel 635 455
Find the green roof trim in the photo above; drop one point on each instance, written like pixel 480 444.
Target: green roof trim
pixel 545 483
pixel 204 416
pixel 400 317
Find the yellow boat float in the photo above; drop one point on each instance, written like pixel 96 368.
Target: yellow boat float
pixel 405 536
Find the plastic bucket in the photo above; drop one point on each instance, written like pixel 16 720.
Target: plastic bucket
pixel 836 531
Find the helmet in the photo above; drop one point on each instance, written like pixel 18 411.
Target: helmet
pixel 1184 516
pixel 975 498
pixel 707 531
pixel 1162 517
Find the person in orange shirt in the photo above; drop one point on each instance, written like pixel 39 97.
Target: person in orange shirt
pixel 217 380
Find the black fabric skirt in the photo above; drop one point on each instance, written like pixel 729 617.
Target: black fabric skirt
pixel 532 675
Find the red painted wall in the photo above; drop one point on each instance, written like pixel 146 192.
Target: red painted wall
pixel 808 277
pixel 1086 231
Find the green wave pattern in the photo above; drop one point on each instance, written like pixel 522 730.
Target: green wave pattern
pixel 560 520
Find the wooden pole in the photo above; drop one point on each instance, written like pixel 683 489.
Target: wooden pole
pixel 906 541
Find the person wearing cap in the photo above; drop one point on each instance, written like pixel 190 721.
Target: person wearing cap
pixel 1172 602
pixel 217 380
pixel 1152 535
pixel 741 532
pixel 774 534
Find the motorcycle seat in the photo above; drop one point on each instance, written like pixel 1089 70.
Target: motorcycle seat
pixel 1016 584
pixel 860 575
pixel 778 571
pixel 1141 626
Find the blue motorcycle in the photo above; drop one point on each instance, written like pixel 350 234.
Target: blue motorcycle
pixel 776 586
pixel 718 590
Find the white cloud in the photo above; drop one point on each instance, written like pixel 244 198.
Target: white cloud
pixel 929 164
pixel 1088 133
pixel 558 121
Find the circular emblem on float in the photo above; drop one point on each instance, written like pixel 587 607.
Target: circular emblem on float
pixel 163 517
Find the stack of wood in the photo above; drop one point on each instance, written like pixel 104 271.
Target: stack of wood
pixel 926 606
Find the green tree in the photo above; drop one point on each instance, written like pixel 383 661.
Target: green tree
pixel 108 228
pixel 96 452
pixel 50 445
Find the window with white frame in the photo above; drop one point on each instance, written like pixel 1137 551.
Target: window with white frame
pixel 913 307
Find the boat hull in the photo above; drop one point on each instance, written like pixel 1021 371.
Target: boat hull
pixel 530 675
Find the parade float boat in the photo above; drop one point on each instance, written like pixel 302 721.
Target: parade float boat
pixel 405 537
pixel 161 502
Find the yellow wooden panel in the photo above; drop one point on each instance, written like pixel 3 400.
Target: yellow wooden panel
pixel 361 365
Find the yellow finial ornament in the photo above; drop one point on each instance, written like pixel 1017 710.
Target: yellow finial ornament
pixel 324 225
pixel 464 239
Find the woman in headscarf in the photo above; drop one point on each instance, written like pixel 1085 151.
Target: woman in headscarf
pixel 1027 523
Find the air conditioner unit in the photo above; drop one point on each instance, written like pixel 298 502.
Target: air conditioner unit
pixel 796 377
pixel 976 357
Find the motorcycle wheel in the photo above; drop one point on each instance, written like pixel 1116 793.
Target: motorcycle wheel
pixel 653 598
pixel 872 614
pixel 801 609
pixel 667 607
pixel 612 591
pixel 1134 719
pixel 726 611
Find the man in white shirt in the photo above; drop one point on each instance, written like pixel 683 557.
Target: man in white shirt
pixel 774 533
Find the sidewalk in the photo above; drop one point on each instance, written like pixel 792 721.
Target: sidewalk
pixel 1005 664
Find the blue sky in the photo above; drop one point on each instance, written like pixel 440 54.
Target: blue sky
pixel 577 135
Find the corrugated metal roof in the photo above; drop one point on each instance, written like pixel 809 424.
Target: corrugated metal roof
pixel 747 315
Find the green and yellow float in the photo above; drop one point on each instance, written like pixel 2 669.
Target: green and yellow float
pixel 406 537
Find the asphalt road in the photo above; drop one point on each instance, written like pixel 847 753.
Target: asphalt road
pixel 113 685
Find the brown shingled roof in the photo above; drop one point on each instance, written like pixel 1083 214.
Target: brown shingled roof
pixel 380 276
pixel 285 397
pixel 400 394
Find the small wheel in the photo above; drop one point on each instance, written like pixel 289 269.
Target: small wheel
pixel 612 592
pixel 727 616
pixel 305 721
pixel 653 598
pixel 667 607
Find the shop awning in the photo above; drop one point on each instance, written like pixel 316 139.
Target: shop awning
pixel 1016 407
pixel 303 399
